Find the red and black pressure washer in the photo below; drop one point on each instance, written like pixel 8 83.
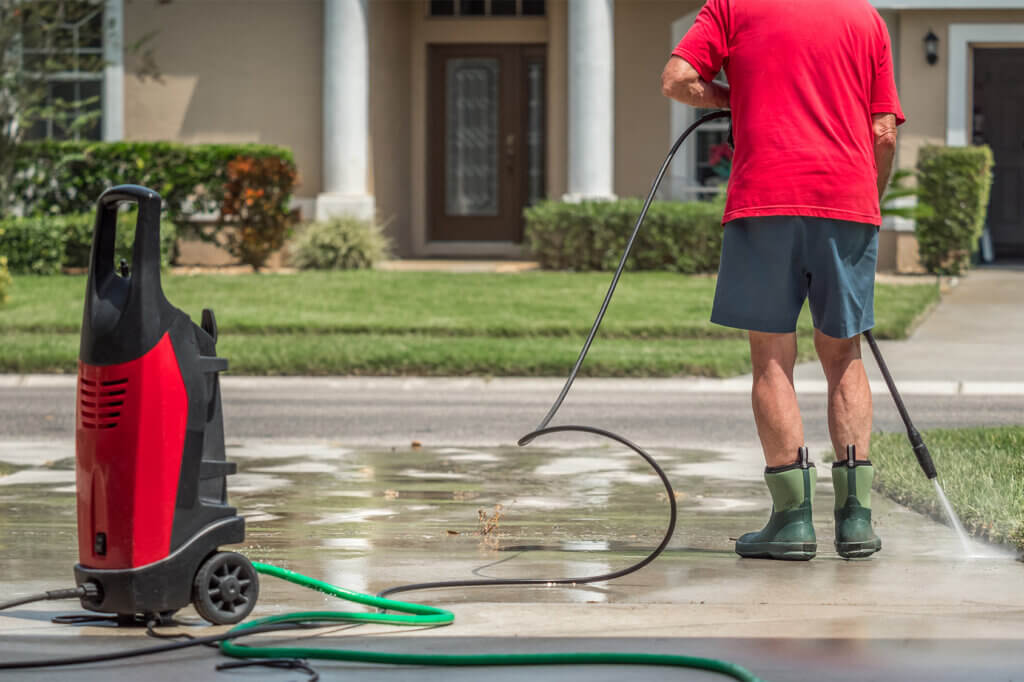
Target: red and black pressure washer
pixel 149 441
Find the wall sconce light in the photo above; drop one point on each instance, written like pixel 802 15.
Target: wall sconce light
pixel 931 47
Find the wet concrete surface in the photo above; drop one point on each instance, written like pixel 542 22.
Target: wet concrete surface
pixel 369 519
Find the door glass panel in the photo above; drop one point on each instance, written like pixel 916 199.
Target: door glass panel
pixel 471 137
pixel 468 8
pixel 534 132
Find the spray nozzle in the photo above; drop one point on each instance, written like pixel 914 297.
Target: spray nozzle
pixel 924 458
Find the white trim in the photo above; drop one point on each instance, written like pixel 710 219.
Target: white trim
pixel 948 4
pixel 962 37
pixel 681 178
pixel 113 71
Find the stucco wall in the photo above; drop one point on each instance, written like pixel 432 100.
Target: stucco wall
pixel 230 74
pixel 643 43
pixel 390 172
pixel 923 88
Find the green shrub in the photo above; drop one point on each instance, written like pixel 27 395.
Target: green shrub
pixel 955 182
pixel 342 243
pixel 34 245
pixel 54 177
pixel 42 245
pixel 5 281
pixel 591 235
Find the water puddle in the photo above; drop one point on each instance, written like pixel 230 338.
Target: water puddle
pixel 372 519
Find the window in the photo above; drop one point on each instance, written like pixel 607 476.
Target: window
pixel 70 53
pixel 702 166
pixel 486 8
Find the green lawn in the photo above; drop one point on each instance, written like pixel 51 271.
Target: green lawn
pixel 432 323
pixel 980 469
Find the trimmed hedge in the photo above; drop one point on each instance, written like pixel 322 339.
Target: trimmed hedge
pixel 955 182
pixel 5 280
pixel 66 177
pixel 43 245
pixel 591 235
pixel 34 246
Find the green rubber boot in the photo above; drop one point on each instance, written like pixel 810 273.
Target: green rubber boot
pixel 852 482
pixel 790 532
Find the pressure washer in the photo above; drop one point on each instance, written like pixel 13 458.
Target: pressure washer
pixel 151 474
pixel 151 471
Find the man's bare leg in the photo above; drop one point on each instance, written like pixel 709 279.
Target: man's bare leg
pixel 849 394
pixel 849 423
pixel 776 410
pixel 789 533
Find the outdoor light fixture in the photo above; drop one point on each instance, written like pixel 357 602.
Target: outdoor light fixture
pixel 931 47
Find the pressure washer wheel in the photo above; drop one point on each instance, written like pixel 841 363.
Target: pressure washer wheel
pixel 225 588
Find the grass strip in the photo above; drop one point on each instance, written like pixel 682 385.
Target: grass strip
pixel 980 469
pixel 435 324
pixel 417 354
pixel 646 305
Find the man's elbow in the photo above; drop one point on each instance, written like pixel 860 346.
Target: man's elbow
pixel 884 127
pixel 668 84
pixel 677 78
pixel 886 141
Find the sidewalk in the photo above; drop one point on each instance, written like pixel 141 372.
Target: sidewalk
pixel 975 336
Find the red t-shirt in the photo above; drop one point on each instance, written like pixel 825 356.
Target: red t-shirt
pixel 806 76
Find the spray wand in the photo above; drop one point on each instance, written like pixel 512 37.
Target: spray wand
pixel 924 458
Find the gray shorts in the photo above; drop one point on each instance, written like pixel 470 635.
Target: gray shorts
pixel 771 264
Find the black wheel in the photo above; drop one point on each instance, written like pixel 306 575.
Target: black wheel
pixel 225 588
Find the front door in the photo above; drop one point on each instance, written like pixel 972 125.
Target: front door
pixel 485 140
pixel 998 112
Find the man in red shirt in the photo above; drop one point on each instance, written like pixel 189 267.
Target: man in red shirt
pixel 814 110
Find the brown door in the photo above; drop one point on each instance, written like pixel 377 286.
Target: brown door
pixel 998 112
pixel 485 140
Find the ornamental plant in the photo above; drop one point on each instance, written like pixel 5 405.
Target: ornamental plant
pixel 255 202
pixel 5 280
pixel 955 182
pixel 721 160
pixel 341 243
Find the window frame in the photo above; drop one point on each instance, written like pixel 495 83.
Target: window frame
pixel 456 13
pixel 75 76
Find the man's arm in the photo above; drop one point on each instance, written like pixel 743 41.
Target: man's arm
pixel 884 126
pixel 681 82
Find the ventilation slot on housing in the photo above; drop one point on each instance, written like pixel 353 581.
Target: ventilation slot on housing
pixel 100 404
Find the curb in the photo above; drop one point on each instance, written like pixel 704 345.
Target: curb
pixel 735 385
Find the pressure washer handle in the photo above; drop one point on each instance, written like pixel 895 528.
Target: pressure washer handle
pixel 112 297
pixel 146 251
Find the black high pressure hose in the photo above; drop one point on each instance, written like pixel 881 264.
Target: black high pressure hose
pixel 543 429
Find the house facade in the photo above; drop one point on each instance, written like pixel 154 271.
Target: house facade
pixel 444 118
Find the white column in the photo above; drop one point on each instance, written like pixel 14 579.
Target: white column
pixel 113 71
pixel 346 105
pixel 591 99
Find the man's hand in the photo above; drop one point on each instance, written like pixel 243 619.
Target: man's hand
pixel 884 127
pixel 681 82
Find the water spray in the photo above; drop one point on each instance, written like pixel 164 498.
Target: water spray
pixel 924 458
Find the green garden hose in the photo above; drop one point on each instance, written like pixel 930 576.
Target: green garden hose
pixel 419 614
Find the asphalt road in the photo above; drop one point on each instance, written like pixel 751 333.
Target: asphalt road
pixel 474 412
